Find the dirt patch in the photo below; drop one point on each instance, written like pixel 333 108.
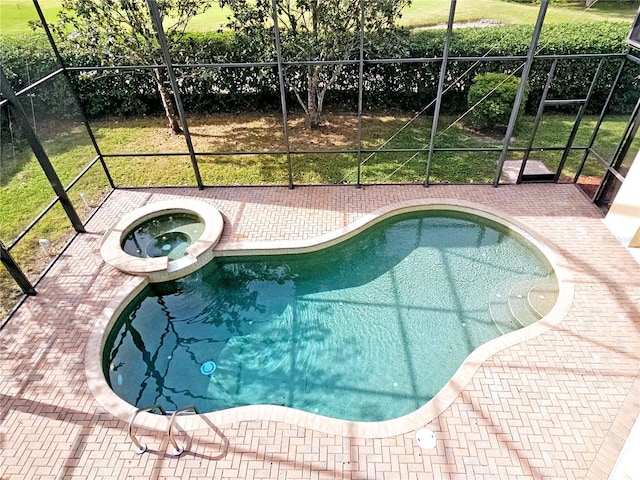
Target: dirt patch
pixel 259 132
pixel 589 185
pixel 486 22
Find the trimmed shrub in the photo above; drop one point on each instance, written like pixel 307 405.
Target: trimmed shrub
pixel 393 86
pixel 28 58
pixel 491 99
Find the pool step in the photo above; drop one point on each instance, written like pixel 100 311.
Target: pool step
pixel 543 297
pixel 500 310
pixel 519 302
pixel 513 306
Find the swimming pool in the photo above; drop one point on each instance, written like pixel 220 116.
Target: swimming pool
pixel 367 330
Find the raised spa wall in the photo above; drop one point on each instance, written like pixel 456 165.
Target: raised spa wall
pixel 161 269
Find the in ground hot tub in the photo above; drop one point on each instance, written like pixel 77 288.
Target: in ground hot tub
pixel 166 235
pixel 163 241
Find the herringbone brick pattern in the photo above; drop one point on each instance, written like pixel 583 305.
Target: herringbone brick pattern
pixel 557 406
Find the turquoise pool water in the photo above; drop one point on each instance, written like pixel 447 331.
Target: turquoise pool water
pixel 368 330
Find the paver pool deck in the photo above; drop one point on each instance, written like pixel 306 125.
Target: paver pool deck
pixel 558 405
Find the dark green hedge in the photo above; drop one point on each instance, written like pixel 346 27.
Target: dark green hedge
pixel 491 98
pixel 406 87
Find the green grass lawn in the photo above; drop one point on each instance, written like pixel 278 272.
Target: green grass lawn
pixel 15 14
pixel 69 148
pixel 22 179
pixel 430 12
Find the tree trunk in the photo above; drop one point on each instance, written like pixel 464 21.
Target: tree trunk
pixel 167 103
pixel 314 111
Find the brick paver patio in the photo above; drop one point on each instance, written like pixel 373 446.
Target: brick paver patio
pixel 559 405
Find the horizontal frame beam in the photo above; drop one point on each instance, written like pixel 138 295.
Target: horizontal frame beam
pixel 338 151
pixel 376 61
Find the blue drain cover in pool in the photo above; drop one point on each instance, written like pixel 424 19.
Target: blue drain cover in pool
pixel 208 368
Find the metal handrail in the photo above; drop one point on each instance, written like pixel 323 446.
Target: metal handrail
pixel 141 447
pixel 177 451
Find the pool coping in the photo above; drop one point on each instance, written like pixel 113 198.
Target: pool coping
pixel 407 423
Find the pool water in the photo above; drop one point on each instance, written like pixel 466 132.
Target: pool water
pixel 166 235
pixel 367 330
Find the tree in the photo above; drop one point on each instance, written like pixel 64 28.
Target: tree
pixel 312 30
pixel 122 31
